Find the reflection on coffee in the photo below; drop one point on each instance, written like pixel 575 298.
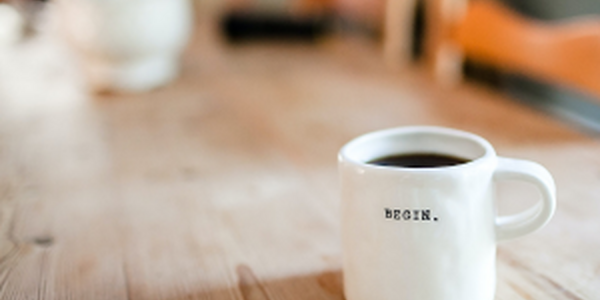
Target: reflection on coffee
pixel 419 160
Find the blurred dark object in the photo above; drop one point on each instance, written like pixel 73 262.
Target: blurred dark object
pixel 418 30
pixel 243 26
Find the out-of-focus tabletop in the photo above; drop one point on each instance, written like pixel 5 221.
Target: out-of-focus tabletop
pixel 223 185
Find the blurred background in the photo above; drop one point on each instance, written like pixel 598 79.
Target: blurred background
pixel 94 33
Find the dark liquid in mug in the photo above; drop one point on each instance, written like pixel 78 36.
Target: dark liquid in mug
pixel 419 160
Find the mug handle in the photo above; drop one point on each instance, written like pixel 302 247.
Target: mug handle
pixel 534 218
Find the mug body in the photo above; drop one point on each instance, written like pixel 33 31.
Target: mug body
pixel 418 233
pixel 127 45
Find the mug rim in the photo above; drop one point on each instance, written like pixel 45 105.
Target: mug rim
pixel 488 155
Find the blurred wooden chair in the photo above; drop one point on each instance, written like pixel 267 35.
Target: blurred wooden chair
pixel 566 53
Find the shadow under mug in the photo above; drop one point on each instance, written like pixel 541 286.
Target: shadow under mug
pixel 429 233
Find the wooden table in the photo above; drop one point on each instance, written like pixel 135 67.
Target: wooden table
pixel 223 185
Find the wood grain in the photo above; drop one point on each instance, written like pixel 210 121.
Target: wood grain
pixel 223 185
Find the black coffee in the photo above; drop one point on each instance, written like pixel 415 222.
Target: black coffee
pixel 419 160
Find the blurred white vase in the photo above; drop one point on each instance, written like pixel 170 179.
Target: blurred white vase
pixel 127 45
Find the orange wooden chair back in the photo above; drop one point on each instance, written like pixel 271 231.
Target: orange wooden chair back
pixel 566 53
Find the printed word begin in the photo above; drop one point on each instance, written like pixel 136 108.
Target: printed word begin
pixel 409 214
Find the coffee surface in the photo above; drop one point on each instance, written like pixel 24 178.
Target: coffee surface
pixel 419 160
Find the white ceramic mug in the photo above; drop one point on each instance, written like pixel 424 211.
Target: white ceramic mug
pixel 131 45
pixel 429 233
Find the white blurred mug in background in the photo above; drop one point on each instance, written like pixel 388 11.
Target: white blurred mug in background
pixel 130 46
